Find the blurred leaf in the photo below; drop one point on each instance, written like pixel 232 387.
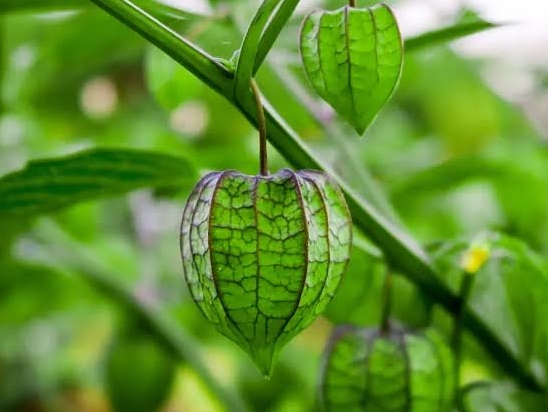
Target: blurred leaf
pixel 469 24
pixel 353 58
pixel 54 248
pixel 359 297
pixel 524 215
pixel 510 293
pixel 139 374
pixel 451 173
pixel 28 292
pixel 170 83
pixel 436 89
pixel 7 6
pixel 252 45
pixel 55 65
pixel 46 185
pixel 500 397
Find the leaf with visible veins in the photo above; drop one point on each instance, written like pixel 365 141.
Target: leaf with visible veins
pixel 264 255
pixel 353 59
pixel 394 370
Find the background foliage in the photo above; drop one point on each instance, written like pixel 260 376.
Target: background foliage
pixel 86 268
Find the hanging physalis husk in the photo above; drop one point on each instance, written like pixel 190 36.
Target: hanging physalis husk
pixel 353 58
pixel 263 255
pixel 396 371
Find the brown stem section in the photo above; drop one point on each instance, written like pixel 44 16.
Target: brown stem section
pixel 352 3
pixel 262 129
pixel 387 302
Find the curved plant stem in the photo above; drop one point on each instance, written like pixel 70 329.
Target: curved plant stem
pixel 401 251
pixel 262 129
pixel 248 50
pixel 271 32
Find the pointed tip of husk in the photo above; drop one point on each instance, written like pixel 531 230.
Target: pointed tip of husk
pixel 264 357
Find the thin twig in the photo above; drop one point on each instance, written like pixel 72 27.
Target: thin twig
pixel 262 129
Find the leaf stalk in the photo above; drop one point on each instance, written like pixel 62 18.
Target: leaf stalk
pixel 261 120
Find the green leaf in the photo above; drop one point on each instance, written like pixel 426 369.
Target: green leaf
pixel 353 59
pixel 270 19
pixel 273 29
pixel 47 185
pixel 469 24
pixel 500 397
pixel 48 74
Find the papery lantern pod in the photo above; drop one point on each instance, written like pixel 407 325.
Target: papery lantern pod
pixel 353 58
pixel 263 255
pixel 368 370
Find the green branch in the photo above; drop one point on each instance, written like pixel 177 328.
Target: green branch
pixel 259 38
pixel 401 251
pixel 197 61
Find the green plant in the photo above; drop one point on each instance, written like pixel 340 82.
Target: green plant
pixel 92 253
